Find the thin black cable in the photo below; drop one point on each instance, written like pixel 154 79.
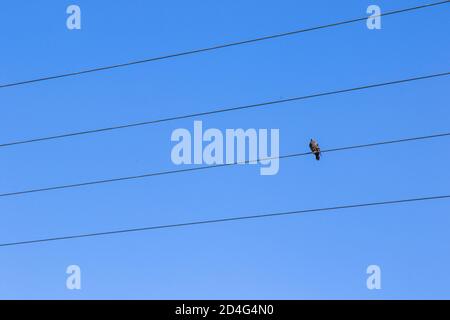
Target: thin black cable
pixel 161 173
pixel 259 216
pixel 222 46
pixel 192 115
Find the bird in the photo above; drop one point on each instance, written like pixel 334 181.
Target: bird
pixel 314 146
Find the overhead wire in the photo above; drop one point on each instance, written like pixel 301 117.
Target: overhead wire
pixel 217 47
pixel 229 219
pixel 223 110
pixel 192 169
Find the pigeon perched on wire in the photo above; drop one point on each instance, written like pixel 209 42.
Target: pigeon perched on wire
pixel 314 146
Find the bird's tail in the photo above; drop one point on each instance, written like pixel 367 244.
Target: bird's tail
pixel 317 155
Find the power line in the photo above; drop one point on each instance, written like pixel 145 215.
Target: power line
pixel 162 173
pixel 201 222
pixel 251 106
pixel 222 46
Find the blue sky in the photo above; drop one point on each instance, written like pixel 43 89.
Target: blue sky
pixel 297 257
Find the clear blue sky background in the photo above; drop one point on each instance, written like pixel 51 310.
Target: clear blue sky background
pixel 306 256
